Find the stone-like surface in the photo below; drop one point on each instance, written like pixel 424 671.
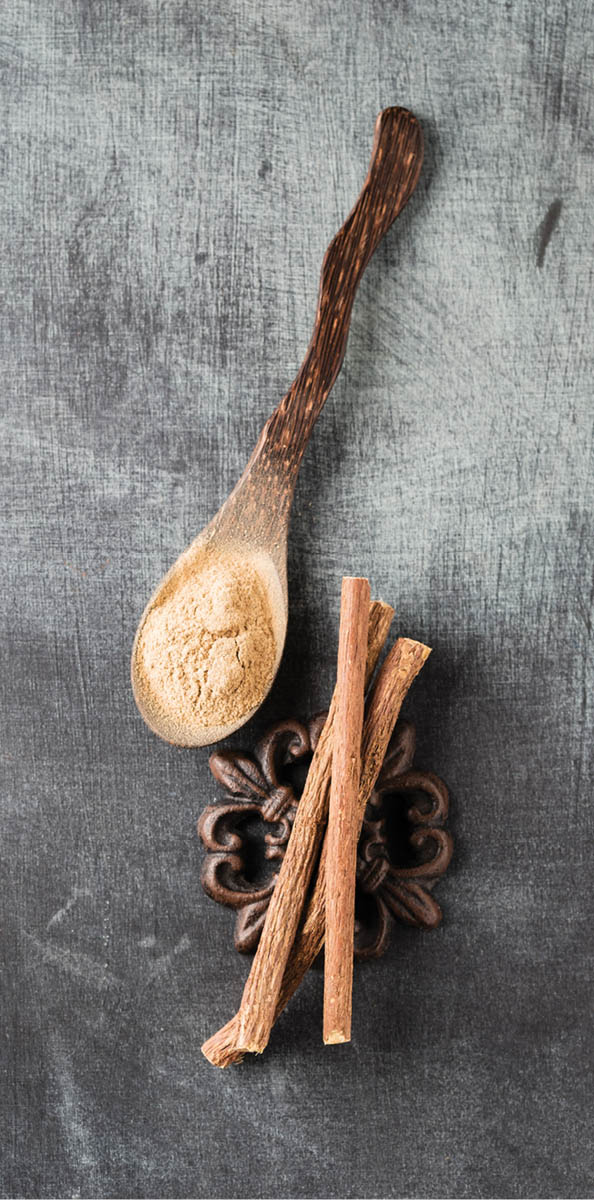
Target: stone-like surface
pixel 171 175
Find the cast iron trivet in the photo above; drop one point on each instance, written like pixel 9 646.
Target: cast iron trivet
pixel 403 848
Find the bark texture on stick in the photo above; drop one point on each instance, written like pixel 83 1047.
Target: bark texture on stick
pixel 343 825
pixel 249 1029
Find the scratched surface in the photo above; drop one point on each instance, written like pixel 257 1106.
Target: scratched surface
pixel 171 173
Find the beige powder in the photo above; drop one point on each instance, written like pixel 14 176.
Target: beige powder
pixel 207 650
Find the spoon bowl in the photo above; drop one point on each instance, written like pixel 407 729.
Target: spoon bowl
pixel 250 531
pixel 170 721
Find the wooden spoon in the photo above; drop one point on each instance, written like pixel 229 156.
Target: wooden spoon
pixel 253 522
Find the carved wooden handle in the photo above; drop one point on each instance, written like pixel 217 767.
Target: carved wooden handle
pixel 393 173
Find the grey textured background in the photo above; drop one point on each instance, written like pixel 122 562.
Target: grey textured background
pixel 171 173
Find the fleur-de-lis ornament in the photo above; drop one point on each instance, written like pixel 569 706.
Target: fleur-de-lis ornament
pixel 403 849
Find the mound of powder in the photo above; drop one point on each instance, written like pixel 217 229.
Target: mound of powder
pixel 207 650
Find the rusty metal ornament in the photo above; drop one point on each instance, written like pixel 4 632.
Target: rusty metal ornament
pixel 403 849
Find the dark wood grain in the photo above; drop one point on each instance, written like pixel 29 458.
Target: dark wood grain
pixel 394 169
pixel 263 496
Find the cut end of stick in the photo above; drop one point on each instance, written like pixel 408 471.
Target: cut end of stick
pixel 221 1049
pixel 336 1037
pixel 418 649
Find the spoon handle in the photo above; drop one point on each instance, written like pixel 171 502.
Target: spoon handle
pixel 394 170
